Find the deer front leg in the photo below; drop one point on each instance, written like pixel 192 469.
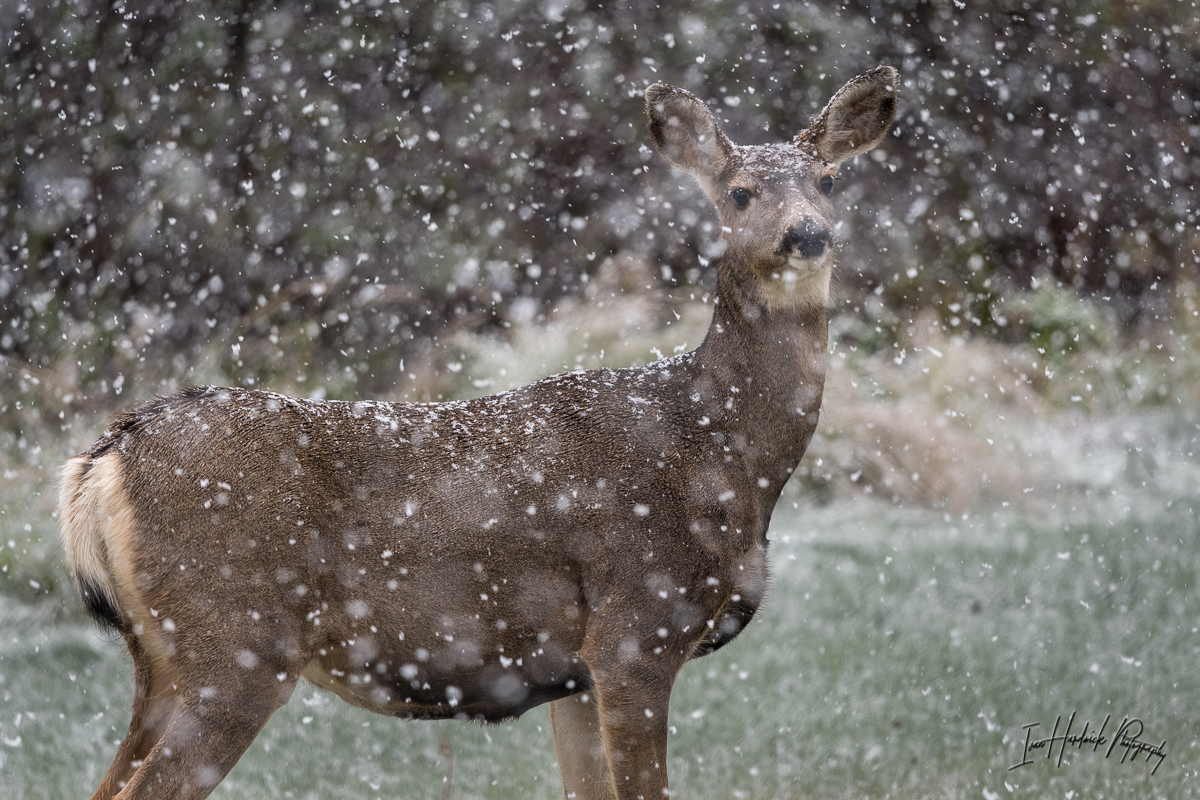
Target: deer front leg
pixel 582 761
pixel 632 696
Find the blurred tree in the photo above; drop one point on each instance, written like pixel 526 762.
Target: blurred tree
pixel 320 190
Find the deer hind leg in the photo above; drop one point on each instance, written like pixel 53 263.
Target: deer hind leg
pixel 208 726
pixel 579 745
pixel 154 701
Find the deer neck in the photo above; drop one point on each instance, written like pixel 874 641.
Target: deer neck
pixel 762 372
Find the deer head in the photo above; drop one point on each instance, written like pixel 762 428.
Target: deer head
pixel 774 200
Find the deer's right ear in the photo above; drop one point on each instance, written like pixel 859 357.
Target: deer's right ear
pixel 686 134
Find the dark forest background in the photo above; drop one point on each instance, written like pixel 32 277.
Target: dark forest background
pixel 316 192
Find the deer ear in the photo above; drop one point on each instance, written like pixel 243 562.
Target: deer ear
pixel 686 134
pixel 855 119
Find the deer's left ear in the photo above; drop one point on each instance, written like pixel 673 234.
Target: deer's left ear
pixel 855 119
pixel 686 134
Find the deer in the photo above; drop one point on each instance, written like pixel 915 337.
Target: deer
pixel 574 542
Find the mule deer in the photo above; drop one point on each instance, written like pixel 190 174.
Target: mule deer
pixel 572 542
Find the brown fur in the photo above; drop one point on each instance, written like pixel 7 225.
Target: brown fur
pixel 584 535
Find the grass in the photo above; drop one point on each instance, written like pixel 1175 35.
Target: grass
pixel 981 537
pixel 899 655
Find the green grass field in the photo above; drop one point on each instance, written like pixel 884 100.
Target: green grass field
pixel 899 655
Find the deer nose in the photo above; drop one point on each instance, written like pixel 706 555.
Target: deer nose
pixel 808 239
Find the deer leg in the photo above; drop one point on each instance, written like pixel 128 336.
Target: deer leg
pixel 633 696
pixel 208 730
pixel 154 700
pixel 582 761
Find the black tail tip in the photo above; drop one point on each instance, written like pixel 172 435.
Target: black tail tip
pixel 98 604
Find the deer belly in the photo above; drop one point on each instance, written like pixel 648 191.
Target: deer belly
pixel 433 686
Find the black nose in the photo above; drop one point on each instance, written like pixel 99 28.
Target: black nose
pixel 808 239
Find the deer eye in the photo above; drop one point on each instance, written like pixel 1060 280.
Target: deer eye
pixel 740 197
pixel 827 185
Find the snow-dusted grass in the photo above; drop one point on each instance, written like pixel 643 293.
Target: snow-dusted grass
pixel 903 651
pixel 983 537
pixel 899 655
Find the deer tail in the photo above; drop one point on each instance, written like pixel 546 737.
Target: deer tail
pixel 96 519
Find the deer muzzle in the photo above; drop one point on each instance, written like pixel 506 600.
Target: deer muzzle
pixel 806 240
